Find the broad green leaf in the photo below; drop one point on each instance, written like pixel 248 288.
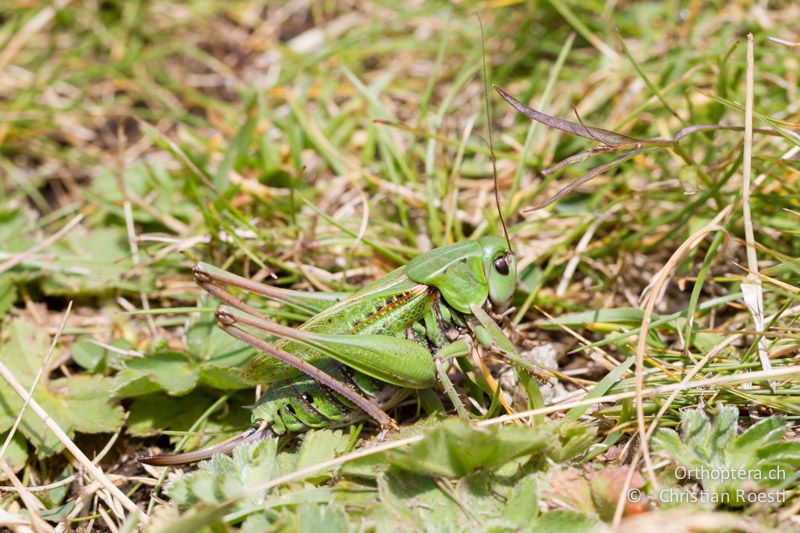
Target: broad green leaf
pixel 96 358
pixel 78 403
pixel 221 377
pixel 417 501
pixel 475 492
pixel 171 371
pixel 320 446
pixel 785 452
pixel 208 343
pixel 456 448
pixel 87 354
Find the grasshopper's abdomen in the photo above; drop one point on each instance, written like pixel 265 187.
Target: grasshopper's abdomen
pixel 299 404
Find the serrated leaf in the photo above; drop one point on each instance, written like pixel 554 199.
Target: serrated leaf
pixel 78 403
pixel 726 464
pixel 668 442
pixel 221 377
pixel 213 358
pixel 225 477
pixel 130 384
pixel 696 429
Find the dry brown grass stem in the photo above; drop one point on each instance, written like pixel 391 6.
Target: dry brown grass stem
pixel 652 293
pixel 752 290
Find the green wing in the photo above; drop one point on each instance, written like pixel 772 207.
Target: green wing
pixel 386 307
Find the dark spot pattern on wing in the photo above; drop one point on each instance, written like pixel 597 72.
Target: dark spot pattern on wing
pixel 390 303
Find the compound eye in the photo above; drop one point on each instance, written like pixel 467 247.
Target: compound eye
pixel 501 266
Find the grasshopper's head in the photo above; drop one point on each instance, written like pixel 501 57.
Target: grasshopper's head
pixel 469 272
pixel 500 268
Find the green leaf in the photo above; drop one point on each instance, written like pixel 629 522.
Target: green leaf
pixel 14 227
pixel 313 518
pixel 787 452
pixel 572 439
pixel 213 358
pixel 561 520
pixel 455 448
pixel 171 371
pixel 523 505
pixel 756 459
pixel 78 403
pixel 320 446
pixel 224 477
pixel 89 263
pixel 209 344
pixel 87 354
pixel 8 293
pixel 17 452
pixel 152 414
pixel 415 499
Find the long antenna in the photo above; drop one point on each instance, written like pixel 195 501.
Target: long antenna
pixel 491 142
